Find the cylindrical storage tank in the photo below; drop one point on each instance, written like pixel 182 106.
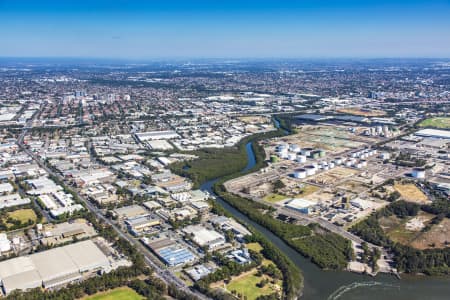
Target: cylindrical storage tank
pixel 358 165
pixel 363 163
pixel 306 151
pixel 326 167
pixel 338 160
pixel 418 173
pixel 374 151
pixel 331 165
pixel 301 158
pixel 310 170
pixel 300 173
pixel 294 148
pixel 354 154
pixel 321 153
pixel 273 158
pixel 315 154
pixel 281 148
pixel 284 155
pixel 292 156
pixel 348 163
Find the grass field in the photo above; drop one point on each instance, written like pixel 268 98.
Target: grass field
pixel 23 215
pixel 438 122
pixel 273 198
pixel 121 293
pixel 307 190
pixel 247 286
pixel 411 193
pixel 254 246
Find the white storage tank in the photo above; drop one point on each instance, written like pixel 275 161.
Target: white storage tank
pixel 300 173
pixel 281 148
pixel 294 148
pixel 364 163
pixel 385 155
pixel 292 156
pixel 310 170
pixel 301 158
pixel 338 160
pixel 306 151
pixel 418 173
pixel 284 155
pixel 331 165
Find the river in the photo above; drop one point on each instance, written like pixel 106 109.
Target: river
pixel 333 285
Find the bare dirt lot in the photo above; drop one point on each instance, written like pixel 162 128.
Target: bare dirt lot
pixel 411 193
pixel 408 231
pixel 354 186
pixel 361 112
pixel 437 236
pixel 332 176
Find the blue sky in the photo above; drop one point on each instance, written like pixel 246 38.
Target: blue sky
pixel 225 29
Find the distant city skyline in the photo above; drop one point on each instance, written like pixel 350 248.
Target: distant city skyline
pixel 229 29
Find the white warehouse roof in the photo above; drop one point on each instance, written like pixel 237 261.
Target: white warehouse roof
pixel 443 134
pixel 51 267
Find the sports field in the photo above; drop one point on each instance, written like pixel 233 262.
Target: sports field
pixel 438 122
pixel 121 293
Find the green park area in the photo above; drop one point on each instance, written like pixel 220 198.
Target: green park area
pixel 121 293
pixel 437 122
pixel 274 198
pixel 248 286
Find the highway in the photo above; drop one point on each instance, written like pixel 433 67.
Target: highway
pixel 161 272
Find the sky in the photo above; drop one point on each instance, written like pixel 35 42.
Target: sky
pixel 225 29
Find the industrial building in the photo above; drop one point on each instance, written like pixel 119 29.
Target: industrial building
pixel 204 237
pixel 176 255
pixel 141 224
pixel 434 133
pixel 156 135
pixel 131 211
pixel 169 251
pixel 13 200
pixel 301 205
pixel 53 268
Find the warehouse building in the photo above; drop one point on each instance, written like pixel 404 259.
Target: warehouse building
pixel 434 133
pixel 300 205
pixel 138 225
pixel 204 237
pixel 53 268
pixel 169 251
pixel 156 135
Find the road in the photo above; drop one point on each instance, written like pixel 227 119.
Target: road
pixel 162 273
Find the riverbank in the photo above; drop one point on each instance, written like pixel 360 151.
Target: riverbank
pixel 319 284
